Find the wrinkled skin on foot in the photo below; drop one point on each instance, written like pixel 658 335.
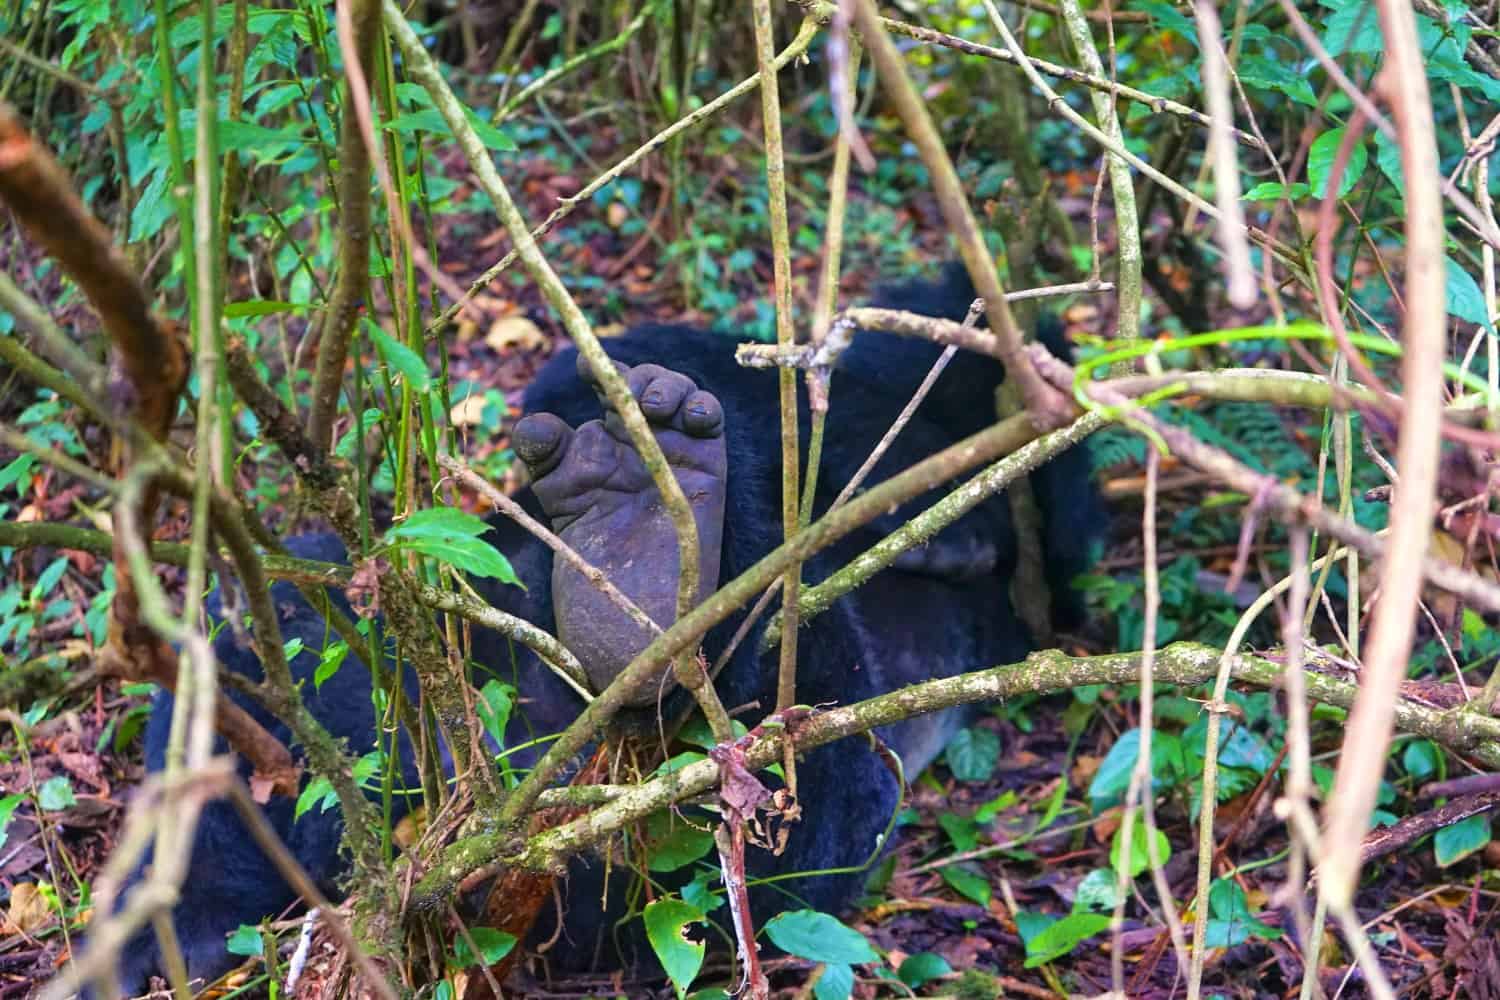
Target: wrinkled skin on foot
pixel 602 501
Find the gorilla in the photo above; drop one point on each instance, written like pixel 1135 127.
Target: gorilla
pixel 942 609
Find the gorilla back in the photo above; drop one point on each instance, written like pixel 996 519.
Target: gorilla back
pixel 941 610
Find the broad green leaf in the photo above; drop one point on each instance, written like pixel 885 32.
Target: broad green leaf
pixel 667 920
pixel 439 522
pixel 818 937
pixel 1275 190
pixel 493 945
pixel 673 843
pixel 475 557
pixel 972 753
pixel 967 881
pixel 1421 758
pixel 318 790
pixel 495 703
pixel 262 307
pixel 329 662
pixel 56 793
pixel 1267 74
pixel 403 359
pixel 1464 299
pixel 1062 936
pixel 1140 857
pixel 962 831
pixel 922 968
pixel 1099 891
pixel 1320 159
pixel 431 120
pixel 1452 843
pixel 1388 159
pixel 836 982
pixel 246 940
pixel 1352 27
pixel 1231 921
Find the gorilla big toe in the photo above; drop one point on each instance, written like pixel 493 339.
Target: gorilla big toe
pixel 601 499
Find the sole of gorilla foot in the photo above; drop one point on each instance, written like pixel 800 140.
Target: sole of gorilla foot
pixel 594 487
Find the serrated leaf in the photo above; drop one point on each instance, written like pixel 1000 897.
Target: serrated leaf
pixel 1320 159
pixel 1458 841
pixel 666 921
pixel 972 753
pixel 403 359
pixel 818 937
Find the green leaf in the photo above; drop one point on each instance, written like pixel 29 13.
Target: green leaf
pixel 1099 891
pixel 403 359
pixel 836 982
pixel 496 700
pixel 1267 74
pixel 1320 159
pixel 672 843
pixel 1352 27
pixel 49 578
pixel 1140 858
pixel 56 793
pixel 699 892
pixel 967 881
pixel 1275 191
pixel 320 789
pixel 493 945
pixel 475 557
pixel 246 940
pixel 8 806
pixel 961 830
pixel 1113 777
pixel 1464 299
pixel 1169 18
pixel 1231 921
pixel 818 937
pixel 329 662
pixel 1421 758
pixel 1461 839
pixel 432 120
pixel 1388 159
pixel 922 968
pixel 439 522
pixel 666 920
pixel 262 307
pixel 972 753
pixel 1062 936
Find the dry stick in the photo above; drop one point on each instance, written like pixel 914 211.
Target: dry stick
pixel 1041 402
pixel 823 11
pixel 566 552
pixel 548 649
pixel 990 481
pixel 786 379
pixel 1181 663
pixel 423 69
pixel 612 44
pixel 1368 733
pixel 1240 275
pixel 1121 186
pixel 1286 501
pixel 353 280
pixel 565 207
pixel 1142 787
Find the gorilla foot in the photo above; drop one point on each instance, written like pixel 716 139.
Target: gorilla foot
pixel 601 500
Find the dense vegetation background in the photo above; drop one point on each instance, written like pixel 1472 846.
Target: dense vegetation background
pixel 1273 225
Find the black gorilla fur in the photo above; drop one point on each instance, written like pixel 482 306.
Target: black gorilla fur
pixel 945 610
